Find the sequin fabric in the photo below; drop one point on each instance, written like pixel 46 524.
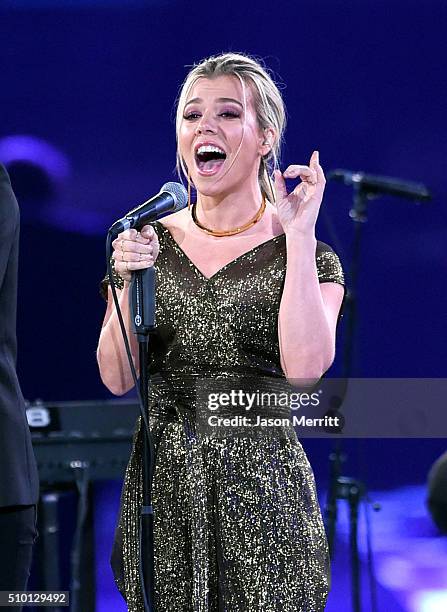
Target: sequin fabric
pixel 237 526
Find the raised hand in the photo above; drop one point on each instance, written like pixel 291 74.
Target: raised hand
pixel 298 210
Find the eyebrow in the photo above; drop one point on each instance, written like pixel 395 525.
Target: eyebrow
pixel 198 100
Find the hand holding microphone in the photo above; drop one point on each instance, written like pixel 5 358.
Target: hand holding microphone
pixel 137 250
pixel 134 250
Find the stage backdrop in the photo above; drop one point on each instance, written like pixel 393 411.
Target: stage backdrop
pixel 94 84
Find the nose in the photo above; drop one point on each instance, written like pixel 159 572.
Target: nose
pixel 206 125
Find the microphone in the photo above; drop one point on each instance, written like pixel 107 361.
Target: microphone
pixel 171 198
pixel 376 185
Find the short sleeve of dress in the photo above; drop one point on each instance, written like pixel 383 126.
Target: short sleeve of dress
pixel 329 267
pixel 119 282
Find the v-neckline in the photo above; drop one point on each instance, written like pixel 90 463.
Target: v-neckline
pixel 227 265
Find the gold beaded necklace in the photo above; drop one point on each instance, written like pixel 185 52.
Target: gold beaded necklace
pixel 232 232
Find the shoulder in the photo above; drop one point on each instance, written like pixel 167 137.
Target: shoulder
pixel 176 221
pixel 322 247
pixel 328 264
pixel 175 225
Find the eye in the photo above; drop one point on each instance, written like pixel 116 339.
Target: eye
pixel 190 116
pixel 230 114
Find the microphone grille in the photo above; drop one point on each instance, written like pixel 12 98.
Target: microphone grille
pixel 179 194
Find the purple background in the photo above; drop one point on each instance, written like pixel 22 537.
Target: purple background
pixel 365 84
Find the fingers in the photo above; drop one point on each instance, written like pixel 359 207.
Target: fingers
pixel 306 173
pixel 148 232
pixel 279 185
pixel 315 165
pixel 125 268
pixel 133 255
pixel 146 236
pixel 134 250
pixel 312 177
pixel 133 235
pixel 131 241
pixel 128 246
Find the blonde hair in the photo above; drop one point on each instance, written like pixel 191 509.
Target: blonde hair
pixel 268 104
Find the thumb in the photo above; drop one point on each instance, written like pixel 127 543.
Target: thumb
pixel 279 185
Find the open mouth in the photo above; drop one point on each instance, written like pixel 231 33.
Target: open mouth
pixel 209 159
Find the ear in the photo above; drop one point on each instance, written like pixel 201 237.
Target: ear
pixel 268 137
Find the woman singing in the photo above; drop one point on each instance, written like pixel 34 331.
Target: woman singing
pixel 243 288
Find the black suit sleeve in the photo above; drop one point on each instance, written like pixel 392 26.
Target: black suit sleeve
pixel 9 220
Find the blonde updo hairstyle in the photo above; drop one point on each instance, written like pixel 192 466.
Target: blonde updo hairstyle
pixel 268 103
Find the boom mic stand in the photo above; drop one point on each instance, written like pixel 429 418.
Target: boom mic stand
pixel 365 187
pixel 142 308
pixel 171 198
pixel 342 487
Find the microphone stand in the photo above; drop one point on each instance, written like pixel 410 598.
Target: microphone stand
pixel 341 487
pixel 142 308
pixel 171 198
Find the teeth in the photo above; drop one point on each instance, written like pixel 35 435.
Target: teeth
pixel 209 149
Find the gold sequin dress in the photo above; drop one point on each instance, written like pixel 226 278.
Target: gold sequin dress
pixel 237 526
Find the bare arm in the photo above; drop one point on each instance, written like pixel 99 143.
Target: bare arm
pixel 111 354
pixel 308 314
pixel 132 251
